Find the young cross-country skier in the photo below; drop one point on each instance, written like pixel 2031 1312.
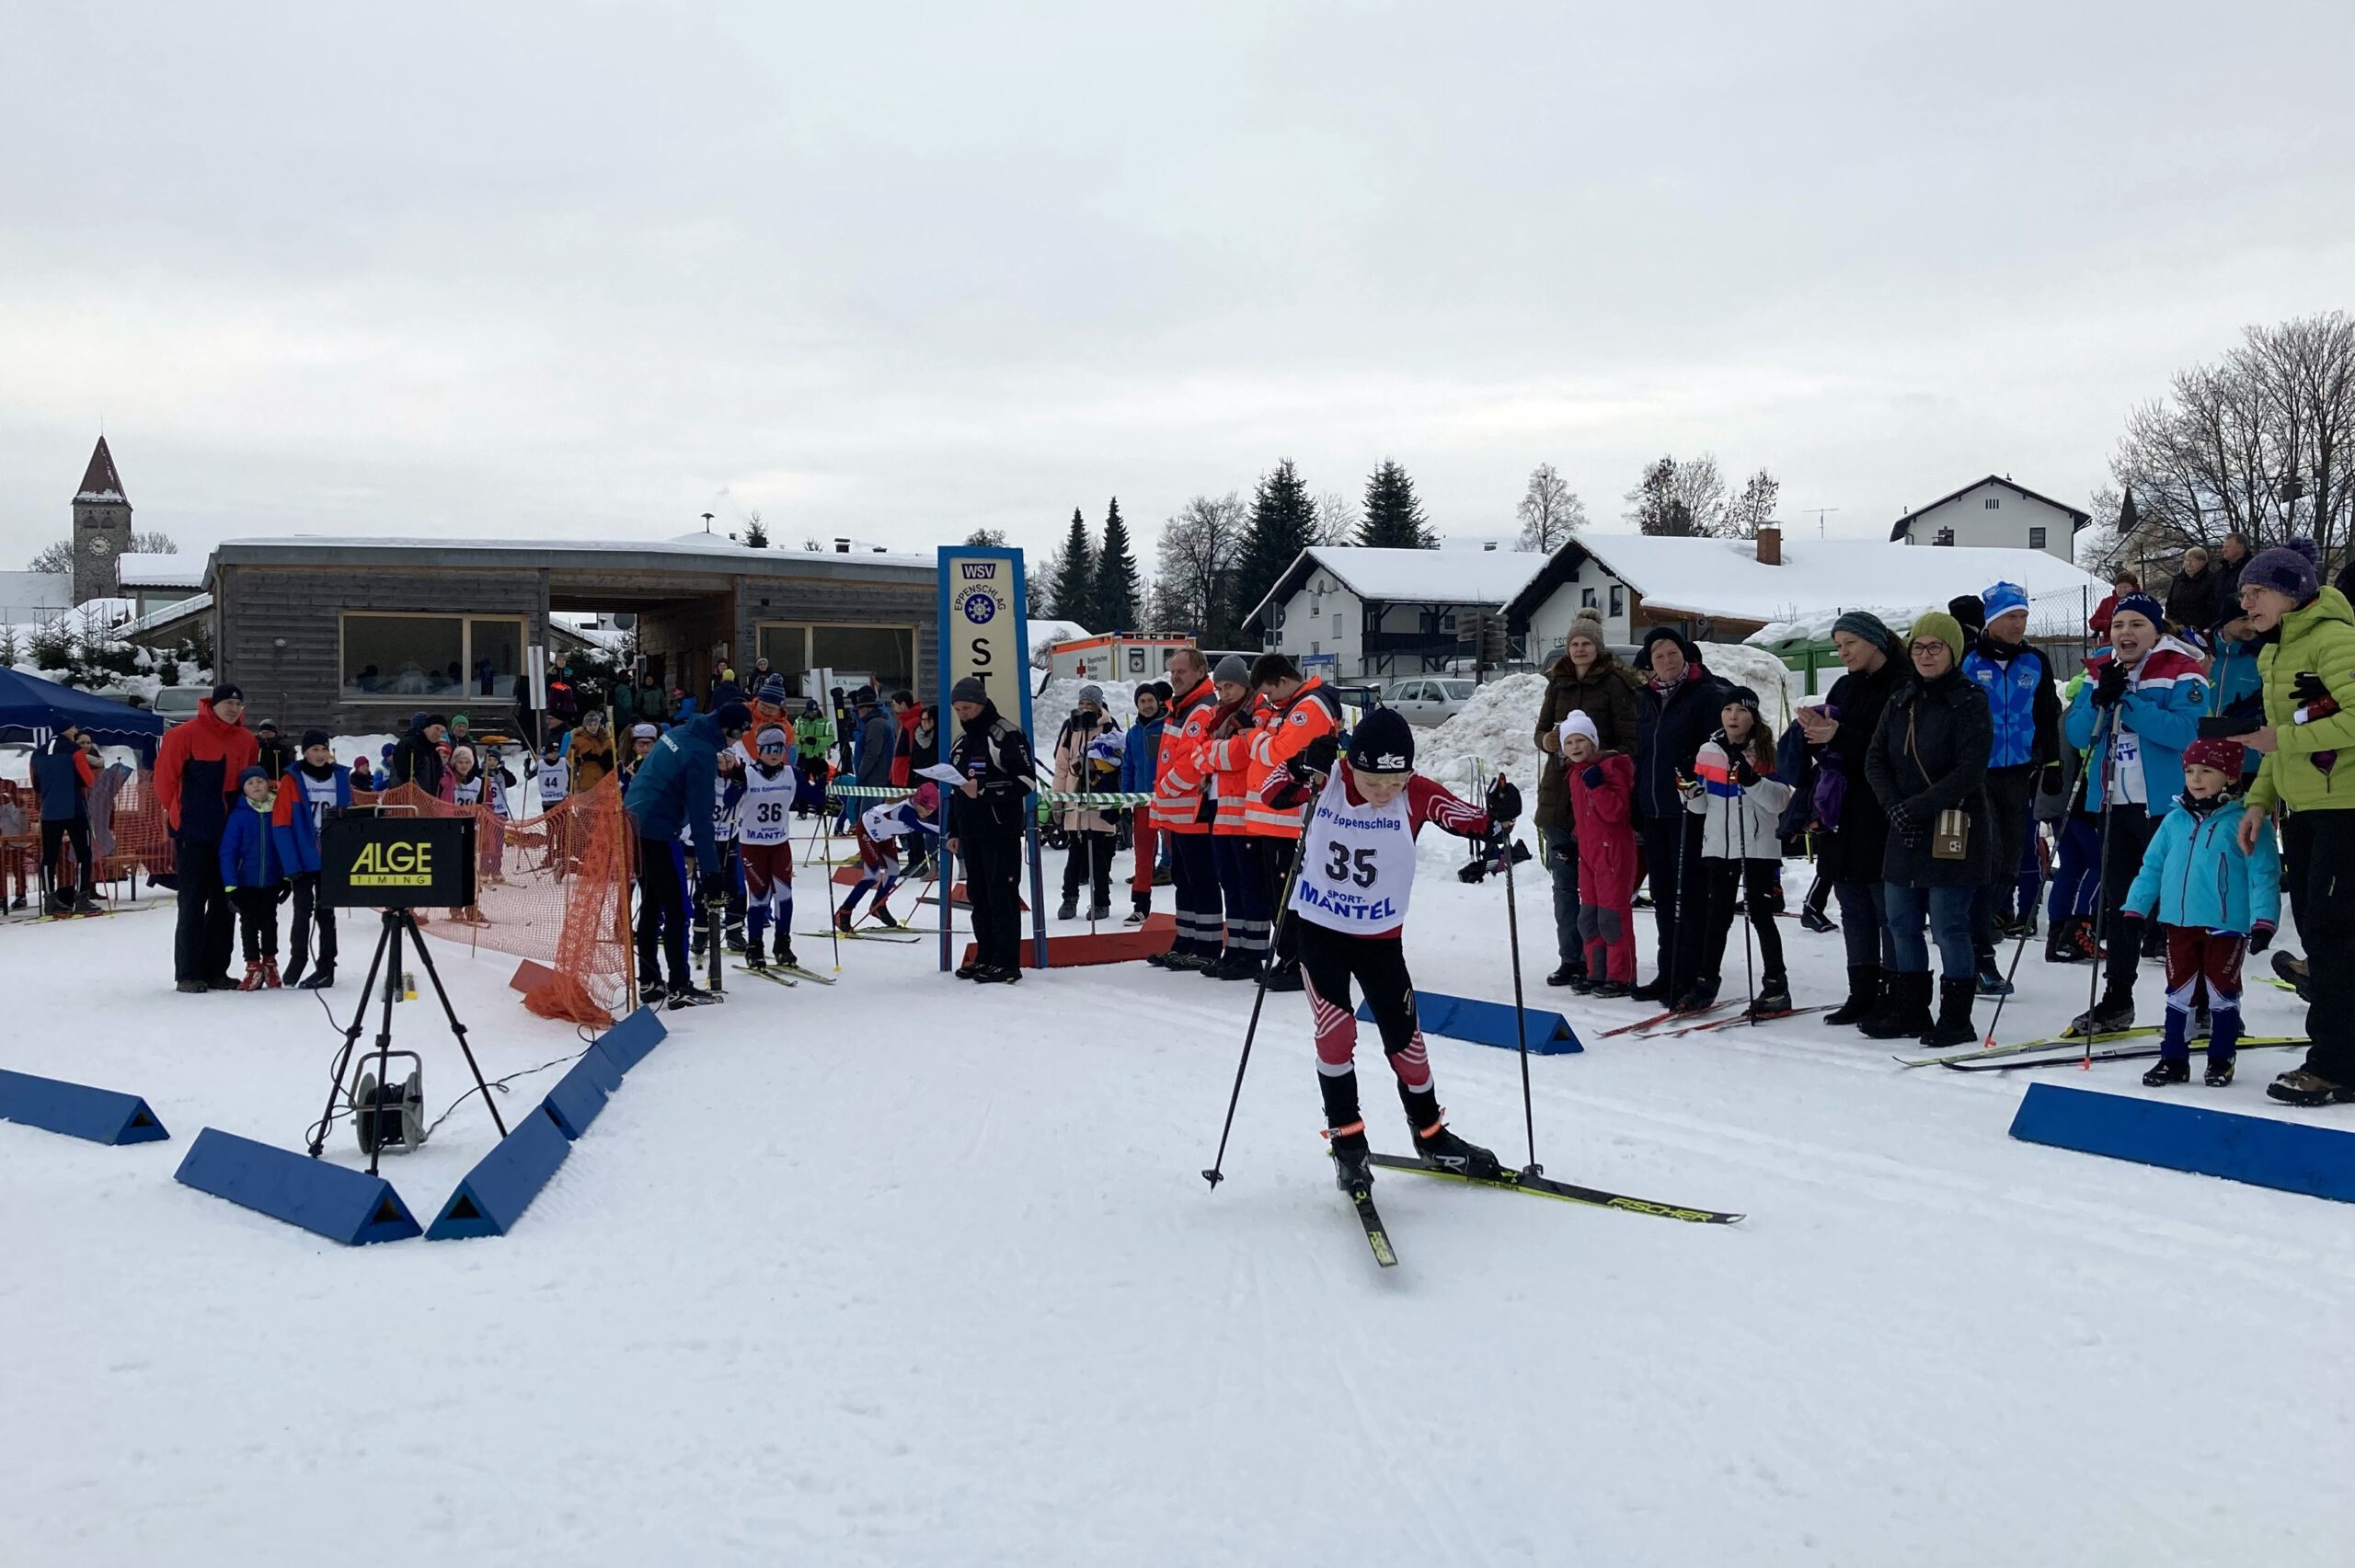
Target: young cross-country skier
pixel 1739 802
pixel 2216 902
pixel 765 846
pixel 1357 872
pixel 880 829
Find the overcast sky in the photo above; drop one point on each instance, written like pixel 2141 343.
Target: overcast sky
pixel 900 272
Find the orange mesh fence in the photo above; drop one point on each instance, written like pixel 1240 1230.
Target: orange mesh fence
pixel 128 836
pixel 553 889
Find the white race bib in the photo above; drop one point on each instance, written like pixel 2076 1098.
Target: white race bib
pixel 1357 866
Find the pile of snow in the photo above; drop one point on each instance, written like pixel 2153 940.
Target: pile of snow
pixel 1497 728
pixel 1044 634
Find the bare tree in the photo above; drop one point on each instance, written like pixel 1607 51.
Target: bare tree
pixel 1755 507
pixel 1196 558
pixel 1680 498
pixel 1550 510
pixel 152 541
pixel 57 558
pixel 1336 519
pixel 2261 443
pixel 987 538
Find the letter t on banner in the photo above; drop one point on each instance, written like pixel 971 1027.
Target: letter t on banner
pixel 985 633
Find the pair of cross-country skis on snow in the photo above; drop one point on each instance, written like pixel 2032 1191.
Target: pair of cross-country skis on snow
pixel 1378 1237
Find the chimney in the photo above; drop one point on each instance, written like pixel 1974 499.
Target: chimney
pixel 1770 545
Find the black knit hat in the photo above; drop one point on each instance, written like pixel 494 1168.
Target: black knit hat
pixel 317 737
pixel 1744 697
pixel 1384 742
pixel 228 691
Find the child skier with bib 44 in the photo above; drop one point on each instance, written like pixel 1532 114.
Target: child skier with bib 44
pixel 2215 903
pixel 1356 875
pixel 880 829
pixel 1741 852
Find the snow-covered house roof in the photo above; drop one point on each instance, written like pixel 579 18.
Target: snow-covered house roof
pixel 1725 579
pixel 2077 519
pixel 187 611
pixel 1410 577
pixel 143 570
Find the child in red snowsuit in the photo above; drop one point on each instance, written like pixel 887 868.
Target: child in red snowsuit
pixel 1603 786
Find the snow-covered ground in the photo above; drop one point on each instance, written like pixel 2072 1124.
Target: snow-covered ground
pixel 907 1272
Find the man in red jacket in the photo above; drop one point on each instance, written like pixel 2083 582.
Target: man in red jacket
pixel 196 778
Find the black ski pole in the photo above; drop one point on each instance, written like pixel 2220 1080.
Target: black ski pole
pixel 2043 880
pixel 2101 882
pixel 1216 1173
pixel 1749 897
pixel 1520 1022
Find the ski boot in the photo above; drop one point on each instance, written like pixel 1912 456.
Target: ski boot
pixel 734 937
pixel 1353 1169
pixel 1698 995
pixel 1990 979
pixel 2171 1069
pixel 783 948
pixel 754 959
pixel 1069 908
pixel 2220 1072
pixel 2304 1086
pixel 885 919
pixel 253 977
pixel 1440 1149
pixel 2107 1016
pixel 1139 907
pixel 1610 990
pixel 1815 920
pixel 1954 1026
pixel 320 978
pixel 1904 1009
pixel 270 973
pixel 1773 999
pixel 1286 977
pixel 690 995
pixel 86 905
pixel 1865 983
pixel 841 918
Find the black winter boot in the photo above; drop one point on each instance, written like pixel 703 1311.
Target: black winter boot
pixel 1866 983
pixel 1442 1150
pixel 2113 1012
pixel 1773 999
pixel 1954 1026
pixel 1904 1009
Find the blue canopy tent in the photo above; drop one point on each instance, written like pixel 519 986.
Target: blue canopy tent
pixel 32 709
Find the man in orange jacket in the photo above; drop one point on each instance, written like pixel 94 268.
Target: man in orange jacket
pixel 196 777
pixel 1182 808
pixel 1295 714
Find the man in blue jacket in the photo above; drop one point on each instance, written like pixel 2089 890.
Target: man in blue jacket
pixel 675 788
pixel 62 775
pixel 2026 711
pixel 1677 708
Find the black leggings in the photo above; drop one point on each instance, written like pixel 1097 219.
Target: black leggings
pixel 1717 881
pixel 55 835
pixel 661 912
pixel 1330 960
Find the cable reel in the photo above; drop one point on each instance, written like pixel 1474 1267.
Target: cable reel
pixel 389 1116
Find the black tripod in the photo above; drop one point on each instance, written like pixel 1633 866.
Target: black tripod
pixel 396 922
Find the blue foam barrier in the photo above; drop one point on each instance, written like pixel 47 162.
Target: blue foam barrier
pixel 627 1043
pixel 343 1204
pixel 581 1094
pixel 1488 1022
pixel 102 1116
pixel 2289 1156
pixel 505 1181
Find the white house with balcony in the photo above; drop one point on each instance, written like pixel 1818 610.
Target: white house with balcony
pixel 1352 612
pixel 1994 513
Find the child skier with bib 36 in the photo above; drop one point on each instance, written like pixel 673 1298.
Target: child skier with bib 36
pixel 2215 903
pixel 764 847
pixel 1739 803
pixel 1356 874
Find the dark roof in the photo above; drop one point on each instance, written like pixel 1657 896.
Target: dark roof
pixel 101 479
pixel 2077 519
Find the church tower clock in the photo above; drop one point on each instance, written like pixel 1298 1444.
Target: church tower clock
pixel 101 529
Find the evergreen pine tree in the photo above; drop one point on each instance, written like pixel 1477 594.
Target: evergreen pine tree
pixel 756 533
pixel 1076 576
pixel 1283 524
pixel 1117 597
pixel 1394 517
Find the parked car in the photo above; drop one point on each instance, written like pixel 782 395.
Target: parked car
pixel 176 705
pixel 1429 699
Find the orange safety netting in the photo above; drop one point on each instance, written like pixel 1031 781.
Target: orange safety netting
pixel 553 888
pixel 128 836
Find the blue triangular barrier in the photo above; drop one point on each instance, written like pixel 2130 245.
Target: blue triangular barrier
pixel 505 1181
pixel 627 1043
pixel 581 1094
pixel 2291 1156
pixel 102 1116
pixel 334 1201
pixel 1488 1022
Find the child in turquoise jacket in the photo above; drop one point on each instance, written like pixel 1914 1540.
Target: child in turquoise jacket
pixel 2215 904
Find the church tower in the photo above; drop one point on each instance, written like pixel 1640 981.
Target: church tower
pixel 101 527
